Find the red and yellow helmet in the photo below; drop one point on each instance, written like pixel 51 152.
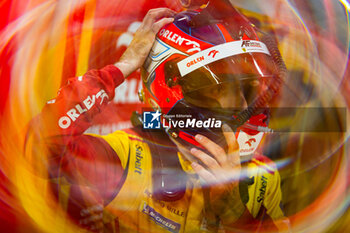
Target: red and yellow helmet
pixel 205 51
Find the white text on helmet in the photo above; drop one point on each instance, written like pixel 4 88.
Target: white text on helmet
pixel 248 43
pixel 179 40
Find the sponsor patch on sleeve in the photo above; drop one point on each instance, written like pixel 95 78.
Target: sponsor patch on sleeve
pixel 160 220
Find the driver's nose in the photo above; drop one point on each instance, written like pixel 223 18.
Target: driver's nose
pixel 230 99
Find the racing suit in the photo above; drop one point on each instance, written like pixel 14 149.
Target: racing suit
pixel 119 170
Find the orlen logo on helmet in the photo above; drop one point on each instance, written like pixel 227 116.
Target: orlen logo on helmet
pixel 179 40
pixel 195 61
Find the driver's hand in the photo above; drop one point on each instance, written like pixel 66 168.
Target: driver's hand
pixel 136 53
pixel 221 172
pixel 92 218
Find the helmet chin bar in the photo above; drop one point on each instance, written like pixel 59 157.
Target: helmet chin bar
pixel 185 136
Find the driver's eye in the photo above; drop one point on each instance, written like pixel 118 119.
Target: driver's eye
pixel 254 83
pixel 250 90
pixel 212 92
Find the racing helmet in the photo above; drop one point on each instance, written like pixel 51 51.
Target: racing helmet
pixel 208 65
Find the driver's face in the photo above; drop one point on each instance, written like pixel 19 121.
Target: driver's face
pixel 228 95
pixel 227 92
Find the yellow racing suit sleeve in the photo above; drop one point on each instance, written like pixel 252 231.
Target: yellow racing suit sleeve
pixel 273 203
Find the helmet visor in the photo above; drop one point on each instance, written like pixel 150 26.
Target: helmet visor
pixel 231 82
